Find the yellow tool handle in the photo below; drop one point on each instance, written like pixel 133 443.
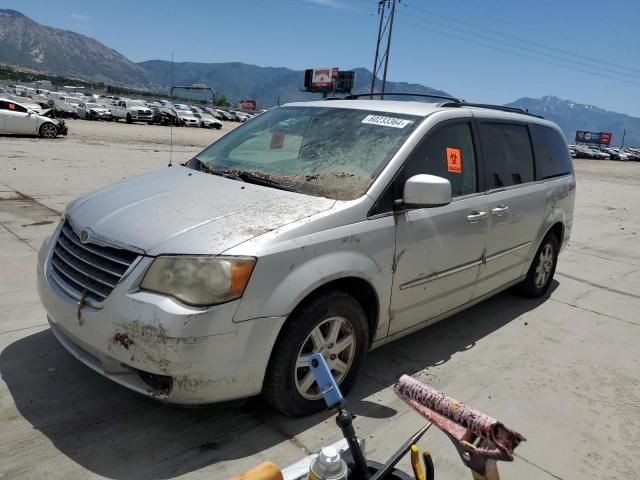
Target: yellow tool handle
pixel 415 463
pixel 263 471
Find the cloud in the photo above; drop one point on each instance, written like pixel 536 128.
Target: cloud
pixel 338 4
pixel 80 17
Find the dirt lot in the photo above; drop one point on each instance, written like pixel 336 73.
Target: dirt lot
pixel 564 370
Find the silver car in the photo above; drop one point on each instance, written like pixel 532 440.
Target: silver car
pixel 329 226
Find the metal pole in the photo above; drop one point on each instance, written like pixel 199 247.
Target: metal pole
pixel 624 133
pixel 386 60
pixel 381 5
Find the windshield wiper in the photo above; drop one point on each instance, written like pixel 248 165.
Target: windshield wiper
pixel 245 176
pixel 258 179
pixel 222 172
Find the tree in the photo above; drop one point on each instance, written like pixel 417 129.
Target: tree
pixel 221 101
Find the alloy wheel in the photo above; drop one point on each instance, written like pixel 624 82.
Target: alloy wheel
pixel 545 264
pixel 49 130
pixel 335 339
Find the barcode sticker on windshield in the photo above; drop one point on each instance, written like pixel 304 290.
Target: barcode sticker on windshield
pixel 386 121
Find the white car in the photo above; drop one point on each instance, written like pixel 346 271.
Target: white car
pixel 18 119
pixel 188 117
pixel 208 121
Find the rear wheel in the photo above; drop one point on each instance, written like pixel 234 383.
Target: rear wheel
pixel 542 268
pixel 48 130
pixel 333 324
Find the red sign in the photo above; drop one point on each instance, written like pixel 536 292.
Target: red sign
pixel 277 140
pixel 605 138
pixel 248 104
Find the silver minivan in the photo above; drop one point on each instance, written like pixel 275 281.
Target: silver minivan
pixel 328 226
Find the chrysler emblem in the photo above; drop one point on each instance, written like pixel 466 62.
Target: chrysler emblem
pixel 84 236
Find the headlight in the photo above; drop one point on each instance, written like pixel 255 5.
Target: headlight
pixel 199 280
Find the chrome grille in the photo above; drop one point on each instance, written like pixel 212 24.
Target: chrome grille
pixel 88 269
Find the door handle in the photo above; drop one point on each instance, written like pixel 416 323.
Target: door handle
pixel 475 216
pixel 500 210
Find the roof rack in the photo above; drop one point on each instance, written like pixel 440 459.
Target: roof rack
pixel 502 108
pixel 452 101
pixel 403 94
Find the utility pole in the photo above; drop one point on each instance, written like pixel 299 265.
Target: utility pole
pixel 624 133
pixel 387 14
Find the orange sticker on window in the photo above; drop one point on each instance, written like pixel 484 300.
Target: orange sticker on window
pixel 454 160
pixel 277 140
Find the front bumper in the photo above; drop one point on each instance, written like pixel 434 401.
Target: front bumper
pixel 158 347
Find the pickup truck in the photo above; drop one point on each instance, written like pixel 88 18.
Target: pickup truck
pixel 131 111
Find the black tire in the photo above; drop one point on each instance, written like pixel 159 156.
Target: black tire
pixel 149 123
pixel 533 286
pixel 282 377
pixel 86 116
pixel 129 119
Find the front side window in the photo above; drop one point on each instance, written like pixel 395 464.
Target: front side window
pixel 448 153
pixel 508 159
pixel 321 151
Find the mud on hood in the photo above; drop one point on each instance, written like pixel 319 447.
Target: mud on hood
pixel 179 210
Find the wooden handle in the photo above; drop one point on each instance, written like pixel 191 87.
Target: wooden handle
pixel 263 471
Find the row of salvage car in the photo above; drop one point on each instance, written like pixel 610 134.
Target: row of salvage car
pixel 57 105
pixel 605 153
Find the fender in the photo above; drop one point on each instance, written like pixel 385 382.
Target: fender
pixel 311 272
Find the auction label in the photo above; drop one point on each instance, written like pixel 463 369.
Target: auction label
pixel 386 121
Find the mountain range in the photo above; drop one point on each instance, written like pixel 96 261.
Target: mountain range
pixel 26 43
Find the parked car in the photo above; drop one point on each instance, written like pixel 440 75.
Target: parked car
pixel 208 121
pixel 15 118
pixel 166 116
pixel 226 115
pixel 94 111
pixel 213 112
pixel 131 111
pixel 188 118
pixel 330 227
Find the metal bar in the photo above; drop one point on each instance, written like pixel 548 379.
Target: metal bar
pixel 386 60
pixel 375 60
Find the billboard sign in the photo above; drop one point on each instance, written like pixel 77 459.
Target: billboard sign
pixel 594 138
pixel 323 77
pixel 247 104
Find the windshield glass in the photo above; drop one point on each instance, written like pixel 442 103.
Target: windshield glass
pixel 322 151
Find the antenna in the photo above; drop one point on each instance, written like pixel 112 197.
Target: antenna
pixel 171 125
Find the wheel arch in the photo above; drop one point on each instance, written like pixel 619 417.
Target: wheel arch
pixel 360 289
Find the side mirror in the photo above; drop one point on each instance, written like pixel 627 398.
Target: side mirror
pixel 423 191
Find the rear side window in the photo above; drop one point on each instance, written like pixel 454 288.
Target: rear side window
pixel 551 152
pixel 448 152
pixel 508 159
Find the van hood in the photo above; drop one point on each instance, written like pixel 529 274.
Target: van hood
pixel 183 211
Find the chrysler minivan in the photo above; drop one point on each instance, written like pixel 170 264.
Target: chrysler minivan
pixel 327 226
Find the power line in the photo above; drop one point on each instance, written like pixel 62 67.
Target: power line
pixel 513 37
pixel 526 49
pixel 493 47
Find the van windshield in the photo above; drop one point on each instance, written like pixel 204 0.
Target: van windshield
pixel 321 151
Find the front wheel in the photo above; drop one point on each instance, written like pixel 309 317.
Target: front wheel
pixel 333 324
pixel 542 268
pixel 129 119
pixel 48 130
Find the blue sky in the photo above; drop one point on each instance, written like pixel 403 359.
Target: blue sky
pixel 485 51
